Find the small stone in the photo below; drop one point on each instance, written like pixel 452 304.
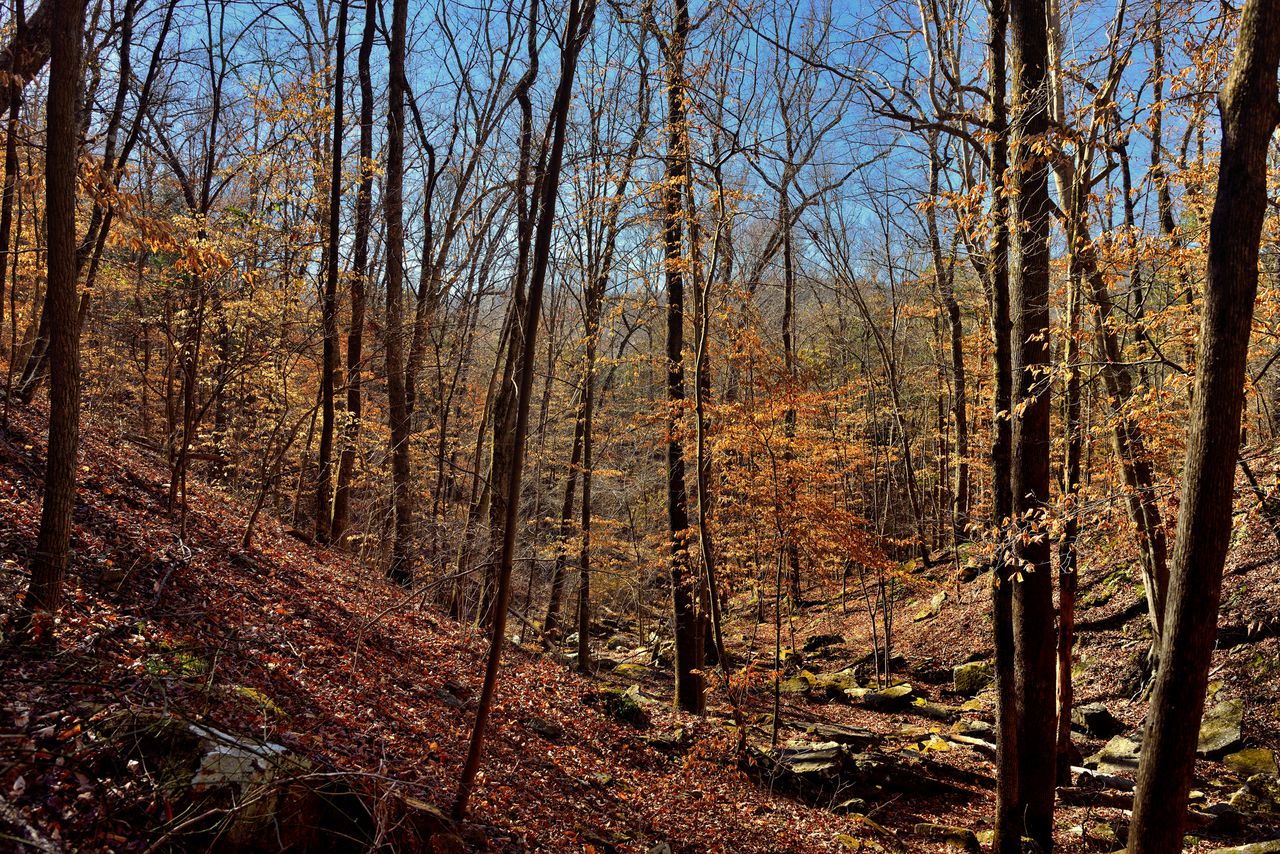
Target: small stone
pixel 1119 756
pixel 1220 729
pixel 928 612
pixel 955 838
pixel 1251 761
pixel 935 711
pixel 853 805
pixel 968 679
pixel 820 642
pixel 550 730
pixel 631 670
pixel 795 685
pixel 888 699
pixel 1096 720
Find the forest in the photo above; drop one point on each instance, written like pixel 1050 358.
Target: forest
pixel 657 426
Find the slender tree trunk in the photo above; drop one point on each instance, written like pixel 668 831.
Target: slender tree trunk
pixel 1033 617
pixel 359 282
pixel 1067 562
pixel 577 28
pixel 1249 113
pixel 44 596
pixel 551 624
pixel 400 568
pixel 9 191
pixel 943 279
pixel 688 637
pixel 1008 822
pixel 330 365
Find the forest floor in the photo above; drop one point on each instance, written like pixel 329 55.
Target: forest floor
pixel 306 650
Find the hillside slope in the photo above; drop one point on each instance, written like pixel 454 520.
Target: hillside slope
pixel 306 648
pixel 305 651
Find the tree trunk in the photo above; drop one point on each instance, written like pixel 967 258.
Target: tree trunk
pixel 1033 615
pixel 359 282
pixel 1249 113
pixel 688 637
pixel 551 625
pixel 1008 825
pixel 329 365
pixel 400 568
pixel 44 597
pixel 577 28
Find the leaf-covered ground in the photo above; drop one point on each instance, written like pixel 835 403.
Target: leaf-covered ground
pixel 311 649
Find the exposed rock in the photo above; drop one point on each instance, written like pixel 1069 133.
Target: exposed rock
pixel 550 730
pixel 970 678
pixel 669 741
pixel 818 771
pixel 1253 848
pixel 817 643
pixel 630 670
pixel 837 685
pixel 1089 779
pixel 889 699
pixel 855 737
pixel 1095 719
pixel 623 706
pixel 1220 729
pixel 796 685
pixel 972 727
pixel 970 570
pixel 1251 761
pixel 928 612
pixel 954 838
pixel 935 711
pixel 1260 796
pixel 1119 756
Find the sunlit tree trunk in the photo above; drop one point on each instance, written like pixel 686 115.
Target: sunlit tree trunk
pixel 1249 113
pixel 44 596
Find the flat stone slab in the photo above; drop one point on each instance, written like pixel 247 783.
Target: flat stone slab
pixel 1119 756
pixel 1220 729
pixel 1251 761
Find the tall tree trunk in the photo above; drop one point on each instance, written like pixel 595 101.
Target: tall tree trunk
pixel 400 568
pixel 330 366
pixel 359 281
pixel 10 189
pixel 1067 562
pixel 1033 617
pixel 944 281
pixel 1249 113
pixel 577 28
pixel 551 624
pixel 1008 824
pixel 688 636
pixel 44 596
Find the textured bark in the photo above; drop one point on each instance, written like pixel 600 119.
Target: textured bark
pixel 577 28
pixel 1248 113
pixel 28 51
pixel 1008 826
pixel 944 281
pixel 551 624
pixel 359 282
pixel 1033 616
pixel 400 568
pixel 689 682
pixel 330 357
pixel 44 597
